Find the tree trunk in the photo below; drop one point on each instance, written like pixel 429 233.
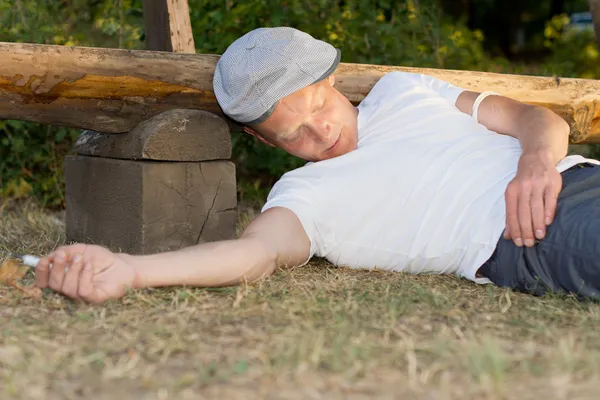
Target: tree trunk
pixel 113 90
pixel 595 10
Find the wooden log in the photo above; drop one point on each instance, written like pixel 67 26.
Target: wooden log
pixel 105 90
pixel 168 26
pixel 113 90
pixel 175 135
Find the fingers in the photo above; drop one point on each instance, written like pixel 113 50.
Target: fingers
pixel 544 205
pixel 507 234
pixel 69 270
pixel 524 214
pixel 70 283
pixel 56 261
pixel 42 272
pixel 537 216
pixel 86 290
pixel 74 248
pixel 530 208
pixel 512 216
pixel 60 259
pixel 519 212
pixel 551 199
pixel 75 278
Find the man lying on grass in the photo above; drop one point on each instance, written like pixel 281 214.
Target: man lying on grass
pixel 422 177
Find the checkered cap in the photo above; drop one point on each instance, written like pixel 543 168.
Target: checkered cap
pixel 267 64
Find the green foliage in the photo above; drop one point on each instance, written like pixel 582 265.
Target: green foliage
pixel 120 19
pixel 101 23
pixel 408 33
pixel 31 157
pixel 366 31
pixel 36 21
pixel 574 53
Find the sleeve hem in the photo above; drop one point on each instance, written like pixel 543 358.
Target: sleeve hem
pixel 306 225
pixel 451 94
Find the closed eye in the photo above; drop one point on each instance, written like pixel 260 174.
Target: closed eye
pixel 320 108
pixel 293 136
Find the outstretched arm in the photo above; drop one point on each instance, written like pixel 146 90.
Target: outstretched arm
pixel 531 197
pixel 94 274
pixel 275 238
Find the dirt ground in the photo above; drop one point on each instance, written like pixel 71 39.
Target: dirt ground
pixel 316 332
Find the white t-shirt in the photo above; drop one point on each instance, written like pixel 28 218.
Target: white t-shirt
pixel 422 193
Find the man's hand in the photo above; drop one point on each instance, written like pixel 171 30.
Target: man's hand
pixel 531 198
pixel 95 274
pixel 86 272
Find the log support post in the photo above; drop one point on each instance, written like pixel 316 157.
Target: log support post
pixel 168 26
pixel 167 184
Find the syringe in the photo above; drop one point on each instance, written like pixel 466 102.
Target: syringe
pixel 27 259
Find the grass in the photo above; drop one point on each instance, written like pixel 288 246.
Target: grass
pixel 307 333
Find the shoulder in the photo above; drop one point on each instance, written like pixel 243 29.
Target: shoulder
pixel 389 90
pixel 405 78
pixel 298 185
pixel 390 83
pixel 297 192
pixel 393 83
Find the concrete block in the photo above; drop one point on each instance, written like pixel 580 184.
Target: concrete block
pixel 174 135
pixel 143 207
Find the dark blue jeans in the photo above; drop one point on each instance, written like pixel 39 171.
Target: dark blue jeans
pixel 567 260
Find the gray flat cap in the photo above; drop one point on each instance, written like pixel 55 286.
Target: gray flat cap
pixel 267 64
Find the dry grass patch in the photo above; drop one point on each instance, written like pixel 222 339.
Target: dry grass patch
pixel 311 332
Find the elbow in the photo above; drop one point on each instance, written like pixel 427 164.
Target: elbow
pixel 264 262
pixel 563 127
pixel 550 130
pixel 563 130
pixel 560 125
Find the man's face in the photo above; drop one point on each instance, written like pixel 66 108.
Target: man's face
pixel 315 123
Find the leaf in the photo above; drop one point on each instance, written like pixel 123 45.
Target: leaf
pixel 11 271
pixel 60 135
pixel 29 291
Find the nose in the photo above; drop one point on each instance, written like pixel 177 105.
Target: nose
pixel 323 131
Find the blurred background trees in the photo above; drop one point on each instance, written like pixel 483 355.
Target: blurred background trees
pixel 531 37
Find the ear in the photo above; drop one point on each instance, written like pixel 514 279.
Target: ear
pixel 331 79
pixel 257 135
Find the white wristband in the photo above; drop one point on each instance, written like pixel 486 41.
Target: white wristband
pixel 478 101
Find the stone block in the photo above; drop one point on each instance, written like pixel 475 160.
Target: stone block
pixel 174 135
pixel 144 207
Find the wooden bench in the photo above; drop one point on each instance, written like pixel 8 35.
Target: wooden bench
pixel 152 170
